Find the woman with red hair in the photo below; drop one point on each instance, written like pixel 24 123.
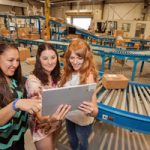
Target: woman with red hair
pixel 79 68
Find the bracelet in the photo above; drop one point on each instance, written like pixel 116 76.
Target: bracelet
pixel 14 105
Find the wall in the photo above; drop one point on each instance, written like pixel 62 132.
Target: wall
pixel 148 13
pixel 125 11
pixel 35 8
pixel 122 12
pixel 58 12
pixel 8 9
pixel 19 10
pixel 96 9
pixel 131 33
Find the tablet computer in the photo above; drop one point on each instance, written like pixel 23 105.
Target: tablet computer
pixel 73 95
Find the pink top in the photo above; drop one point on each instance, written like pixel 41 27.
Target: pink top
pixel 33 84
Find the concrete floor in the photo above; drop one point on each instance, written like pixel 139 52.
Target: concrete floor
pixel 105 137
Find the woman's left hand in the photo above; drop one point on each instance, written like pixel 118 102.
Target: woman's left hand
pixel 61 112
pixel 89 108
pixel 53 122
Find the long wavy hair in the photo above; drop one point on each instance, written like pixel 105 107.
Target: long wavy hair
pixel 39 70
pixel 5 92
pixel 83 50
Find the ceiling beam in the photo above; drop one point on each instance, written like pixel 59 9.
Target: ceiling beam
pixel 12 3
pixel 68 2
pixel 123 1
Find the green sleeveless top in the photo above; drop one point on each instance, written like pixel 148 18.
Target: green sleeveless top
pixel 15 128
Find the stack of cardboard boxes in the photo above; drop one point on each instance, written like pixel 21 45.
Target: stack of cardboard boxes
pixel 24 33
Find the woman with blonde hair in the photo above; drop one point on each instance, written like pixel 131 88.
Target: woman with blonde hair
pixel 79 68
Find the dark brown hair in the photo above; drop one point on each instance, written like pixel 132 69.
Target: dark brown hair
pixel 5 92
pixel 39 71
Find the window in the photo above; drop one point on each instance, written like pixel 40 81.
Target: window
pixel 82 22
pixel 126 27
pixel 140 29
pixel 69 20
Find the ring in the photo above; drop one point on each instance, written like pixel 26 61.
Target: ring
pixel 88 114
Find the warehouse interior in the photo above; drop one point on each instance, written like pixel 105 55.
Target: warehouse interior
pixel 118 32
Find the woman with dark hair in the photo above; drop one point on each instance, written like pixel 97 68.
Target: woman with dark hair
pixel 46 74
pixel 79 68
pixel 13 108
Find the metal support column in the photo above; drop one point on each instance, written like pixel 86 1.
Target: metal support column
pixel 47 16
pixel 134 69
pixel 142 65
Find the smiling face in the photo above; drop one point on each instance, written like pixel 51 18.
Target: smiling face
pixel 76 61
pixel 9 61
pixel 48 60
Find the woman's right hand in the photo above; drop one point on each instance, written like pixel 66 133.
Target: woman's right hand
pixel 60 113
pixel 32 106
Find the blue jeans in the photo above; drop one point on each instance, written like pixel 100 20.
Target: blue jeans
pixel 78 135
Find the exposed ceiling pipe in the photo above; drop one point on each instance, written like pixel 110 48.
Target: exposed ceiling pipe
pixel 125 1
pixel 145 10
pixel 103 5
pixel 59 2
pixel 71 6
pixel 22 9
pixel 75 1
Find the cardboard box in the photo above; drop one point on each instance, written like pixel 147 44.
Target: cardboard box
pixel 34 36
pixel 137 45
pixel 34 30
pixel 118 33
pixel 72 36
pixel 62 28
pixel 23 35
pixel 53 18
pixel 23 32
pixel 4 32
pixel 61 20
pixel 31 60
pixel 114 81
pixel 120 61
pixel 45 38
pixel 24 53
pixel 2 21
